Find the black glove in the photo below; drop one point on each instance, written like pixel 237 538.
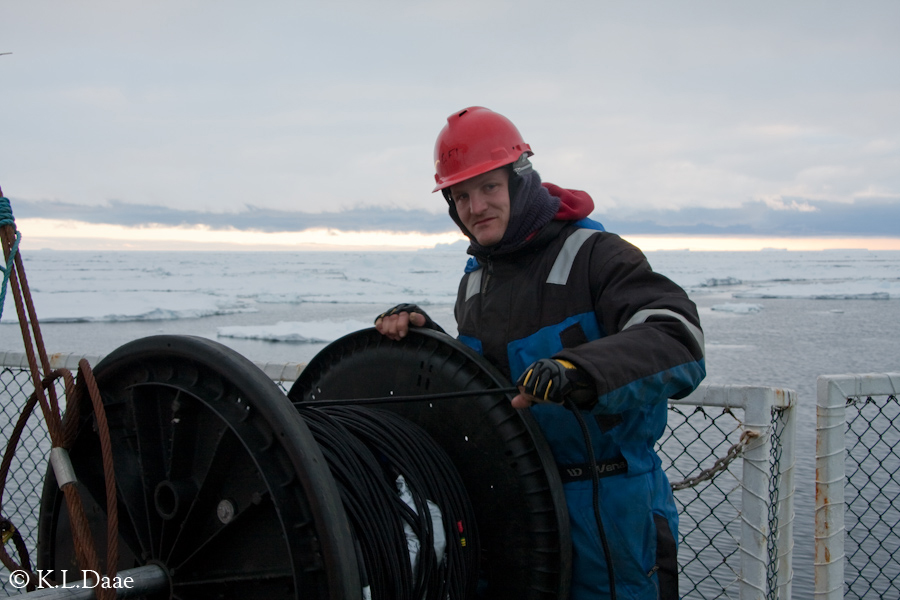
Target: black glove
pixel 554 380
pixel 411 308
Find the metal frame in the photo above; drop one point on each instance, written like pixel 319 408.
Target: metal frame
pixel 758 403
pixel 275 371
pixel 832 393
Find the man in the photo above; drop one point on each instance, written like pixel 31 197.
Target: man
pixel 580 320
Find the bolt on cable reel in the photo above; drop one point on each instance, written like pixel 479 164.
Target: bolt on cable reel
pixel 505 464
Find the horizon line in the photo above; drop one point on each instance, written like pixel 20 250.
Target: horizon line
pixel 48 234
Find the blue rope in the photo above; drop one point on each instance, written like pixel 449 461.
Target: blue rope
pixel 6 218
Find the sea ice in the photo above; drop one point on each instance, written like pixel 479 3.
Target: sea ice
pixel 740 308
pixel 295 331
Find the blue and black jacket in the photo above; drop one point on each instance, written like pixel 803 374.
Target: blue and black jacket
pixel 584 295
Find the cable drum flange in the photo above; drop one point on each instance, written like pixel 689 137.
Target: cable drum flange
pixel 219 480
pixel 505 463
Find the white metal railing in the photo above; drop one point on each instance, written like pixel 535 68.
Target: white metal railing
pixel 276 371
pixel 757 539
pixel 766 486
pixel 832 396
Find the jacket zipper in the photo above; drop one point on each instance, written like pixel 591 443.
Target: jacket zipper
pixel 487 276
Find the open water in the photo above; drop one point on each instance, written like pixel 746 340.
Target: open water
pixel 772 318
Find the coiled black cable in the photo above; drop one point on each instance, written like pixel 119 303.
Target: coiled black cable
pixel 367 449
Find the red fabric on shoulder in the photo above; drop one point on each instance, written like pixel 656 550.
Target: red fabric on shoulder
pixel 573 205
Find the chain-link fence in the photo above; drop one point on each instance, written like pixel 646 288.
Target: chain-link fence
pixel 21 499
pixel 706 434
pixel 714 510
pixel 873 486
pixel 709 513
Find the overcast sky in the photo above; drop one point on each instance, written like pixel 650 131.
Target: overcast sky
pixel 677 117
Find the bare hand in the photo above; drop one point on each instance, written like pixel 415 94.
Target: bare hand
pixel 523 400
pixel 397 326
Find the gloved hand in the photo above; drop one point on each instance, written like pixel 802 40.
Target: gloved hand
pixel 554 380
pixel 395 325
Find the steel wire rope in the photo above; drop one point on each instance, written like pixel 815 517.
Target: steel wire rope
pixel 367 449
pixel 9 532
pixel 60 431
pixel 406 398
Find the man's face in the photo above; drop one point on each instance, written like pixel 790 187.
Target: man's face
pixel 482 204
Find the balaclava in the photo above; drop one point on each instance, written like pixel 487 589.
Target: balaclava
pixel 530 208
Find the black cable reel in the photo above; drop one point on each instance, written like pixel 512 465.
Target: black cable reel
pixel 226 488
pixel 502 458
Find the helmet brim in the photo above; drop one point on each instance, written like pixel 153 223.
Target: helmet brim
pixel 475 171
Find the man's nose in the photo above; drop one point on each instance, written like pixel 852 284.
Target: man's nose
pixel 477 203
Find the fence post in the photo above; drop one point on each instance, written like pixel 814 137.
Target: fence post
pixel 831 409
pixel 755 532
pixel 786 433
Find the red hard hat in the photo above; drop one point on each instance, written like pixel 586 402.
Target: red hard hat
pixel 474 141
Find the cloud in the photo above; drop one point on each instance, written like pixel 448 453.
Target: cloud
pixel 104 98
pixel 294 107
pixel 771 217
pixel 791 204
pixel 785 217
pixel 251 218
